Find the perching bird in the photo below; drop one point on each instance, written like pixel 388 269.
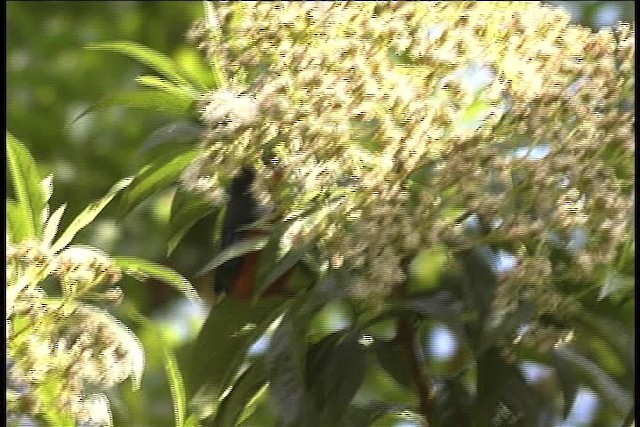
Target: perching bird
pixel 237 277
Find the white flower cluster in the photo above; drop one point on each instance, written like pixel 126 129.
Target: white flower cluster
pixel 382 119
pixel 63 345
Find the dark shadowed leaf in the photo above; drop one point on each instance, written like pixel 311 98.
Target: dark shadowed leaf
pixel 186 209
pixel 244 390
pixel 453 404
pixel 286 357
pixel 500 383
pixel 598 379
pixel 281 266
pixel 441 307
pixel 568 381
pixel 388 355
pixel 230 329
pixel 335 370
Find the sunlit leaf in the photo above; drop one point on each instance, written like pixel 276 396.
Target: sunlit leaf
pixel 237 249
pixel 149 99
pixel 51 227
pixel 30 197
pixel 153 59
pixel 161 84
pixel 88 215
pixel 154 177
pixel 141 268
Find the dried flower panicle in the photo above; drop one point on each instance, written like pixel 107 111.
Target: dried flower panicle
pixel 382 118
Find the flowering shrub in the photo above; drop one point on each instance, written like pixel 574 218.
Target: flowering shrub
pixel 464 164
pixel 64 350
pixel 390 123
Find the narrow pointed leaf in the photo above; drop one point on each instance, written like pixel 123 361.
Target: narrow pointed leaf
pixel 31 199
pixel 88 215
pixel 148 99
pixel 176 385
pixel 276 271
pixel 141 268
pixel 181 131
pixel 186 209
pixel 17 221
pixel 51 228
pixel 568 382
pixel 155 60
pixel 154 177
pixel 163 85
pixel 597 378
pixel 239 248
pixel 244 390
pixel 226 336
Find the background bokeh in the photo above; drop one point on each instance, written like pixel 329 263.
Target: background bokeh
pixel 51 79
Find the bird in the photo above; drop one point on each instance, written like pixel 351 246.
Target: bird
pixel 237 277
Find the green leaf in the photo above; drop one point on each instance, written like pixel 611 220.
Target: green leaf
pixel 149 99
pixel 568 381
pixel 176 385
pixel 501 382
pixel 180 132
pixel 441 307
pixel 17 221
pixel 154 177
pixel 286 356
pixel 186 209
pixel 244 390
pixel 286 363
pixel 335 371
pixel 226 336
pixel 172 369
pixel 387 353
pixel 31 199
pixel 161 84
pixel 237 249
pixel 147 56
pixel 195 68
pixel 359 416
pixel 88 215
pixel 428 266
pixel 141 268
pixel 267 277
pixel 51 228
pixel 597 378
